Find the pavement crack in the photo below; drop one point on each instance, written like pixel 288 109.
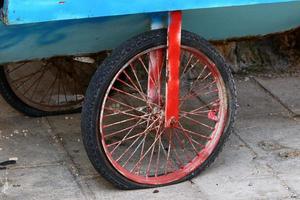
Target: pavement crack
pixel 290 112
pixel 70 164
pixel 291 191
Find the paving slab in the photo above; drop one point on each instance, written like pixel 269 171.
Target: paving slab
pixel 27 140
pixel 51 182
pixel 286 89
pixel 253 101
pixel 235 175
pixel 66 128
pixel 186 190
pixel 275 141
pixel 260 160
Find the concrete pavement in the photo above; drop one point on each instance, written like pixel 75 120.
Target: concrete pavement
pixel 261 160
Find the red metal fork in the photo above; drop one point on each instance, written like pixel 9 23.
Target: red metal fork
pixel 173 64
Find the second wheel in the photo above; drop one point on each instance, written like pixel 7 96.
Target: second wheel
pixel 123 119
pixel 46 87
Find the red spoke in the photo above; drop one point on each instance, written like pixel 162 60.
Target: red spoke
pixel 189 138
pixel 132 154
pixel 126 105
pixel 193 65
pixel 117 112
pixel 197 112
pixel 191 95
pixel 195 121
pixel 121 122
pixel 193 84
pixel 128 150
pixel 199 144
pixel 147 151
pixel 136 140
pixel 205 106
pixel 125 113
pixel 186 66
pixel 175 151
pixel 194 133
pixel 133 86
pixel 181 144
pixel 206 76
pixel 134 136
pixel 125 137
pixel 158 158
pixel 146 133
pixel 213 91
pixel 168 153
pixel 136 77
pixel 145 68
pixel 125 129
pixel 153 148
pixel 131 95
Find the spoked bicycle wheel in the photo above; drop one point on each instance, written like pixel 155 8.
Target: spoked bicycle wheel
pixel 124 130
pixel 47 87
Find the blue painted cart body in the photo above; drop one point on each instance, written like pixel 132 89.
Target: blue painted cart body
pixel 38 29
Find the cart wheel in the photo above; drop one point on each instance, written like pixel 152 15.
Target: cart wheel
pixel 48 87
pixel 124 131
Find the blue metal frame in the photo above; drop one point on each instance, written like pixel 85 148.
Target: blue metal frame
pixel 90 35
pixel 33 11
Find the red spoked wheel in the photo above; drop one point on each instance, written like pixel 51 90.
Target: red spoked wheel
pixel 135 148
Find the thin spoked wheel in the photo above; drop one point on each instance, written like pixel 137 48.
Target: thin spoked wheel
pixel 124 128
pixel 47 87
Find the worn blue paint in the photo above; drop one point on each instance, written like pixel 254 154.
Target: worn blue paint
pixel 32 11
pixel 70 37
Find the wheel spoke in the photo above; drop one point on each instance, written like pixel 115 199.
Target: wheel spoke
pixel 126 113
pixel 124 104
pixel 133 86
pixel 134 135
pixel 16 68
pixel 194 133
pixel 43 85
pixel 147 151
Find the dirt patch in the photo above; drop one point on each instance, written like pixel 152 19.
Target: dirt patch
pixel 270 145
pixel 277 53
pixel 289 154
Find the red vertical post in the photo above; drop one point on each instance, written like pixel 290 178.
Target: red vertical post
pixel 173 64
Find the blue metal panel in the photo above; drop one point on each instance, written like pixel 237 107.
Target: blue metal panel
pixel 32 11
pixel 70 37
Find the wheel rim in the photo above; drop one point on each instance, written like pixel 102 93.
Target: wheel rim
pixel 53 85
pixel 132 129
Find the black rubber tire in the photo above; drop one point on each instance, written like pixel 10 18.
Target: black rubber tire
pixel 101 80
pixel 12 99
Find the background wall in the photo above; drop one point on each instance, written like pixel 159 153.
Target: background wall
pixel 273 53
